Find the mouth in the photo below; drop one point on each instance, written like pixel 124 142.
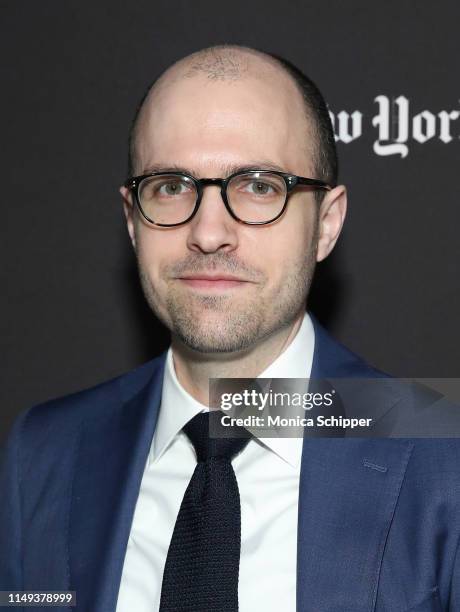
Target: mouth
pixel 213 282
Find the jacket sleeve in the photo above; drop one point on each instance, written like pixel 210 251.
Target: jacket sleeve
pixel 10 510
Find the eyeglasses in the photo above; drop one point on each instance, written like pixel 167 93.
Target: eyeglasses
pixel 255 197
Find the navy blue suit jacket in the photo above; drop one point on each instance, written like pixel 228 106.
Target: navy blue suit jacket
pixel 379 519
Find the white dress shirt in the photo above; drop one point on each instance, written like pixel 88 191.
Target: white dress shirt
pixel 267 472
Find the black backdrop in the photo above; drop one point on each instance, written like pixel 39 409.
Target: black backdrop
pixel 73 72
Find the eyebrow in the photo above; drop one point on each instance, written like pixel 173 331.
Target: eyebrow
pixel 227 169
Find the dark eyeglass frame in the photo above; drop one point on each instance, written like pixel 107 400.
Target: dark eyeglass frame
pixel 291 181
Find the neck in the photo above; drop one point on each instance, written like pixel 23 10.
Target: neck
pixel 193 369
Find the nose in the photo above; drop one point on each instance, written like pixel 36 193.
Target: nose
pixel 212 228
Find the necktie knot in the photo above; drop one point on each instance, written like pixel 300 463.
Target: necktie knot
pixel 198 430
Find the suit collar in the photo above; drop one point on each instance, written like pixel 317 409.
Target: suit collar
pixel 333 360
pixel 359 386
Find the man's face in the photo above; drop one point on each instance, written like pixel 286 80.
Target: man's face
pixel 211 128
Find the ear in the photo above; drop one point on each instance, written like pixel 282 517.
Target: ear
pixel 331 217
pixel 128 208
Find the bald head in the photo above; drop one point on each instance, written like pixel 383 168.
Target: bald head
pixel 226 63
pixel 220 63
pixel 231 64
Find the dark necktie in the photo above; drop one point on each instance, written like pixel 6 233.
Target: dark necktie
pixel 201 571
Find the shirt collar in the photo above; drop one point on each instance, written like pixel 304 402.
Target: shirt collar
pixel 178 406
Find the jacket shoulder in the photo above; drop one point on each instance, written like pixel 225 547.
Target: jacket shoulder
pixel 65 413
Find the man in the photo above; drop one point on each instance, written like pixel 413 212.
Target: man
pixel 95 485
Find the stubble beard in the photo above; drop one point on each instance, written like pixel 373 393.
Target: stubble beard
pixel 226 324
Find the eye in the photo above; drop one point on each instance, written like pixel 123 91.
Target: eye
pixel 173 188
pixel 259 187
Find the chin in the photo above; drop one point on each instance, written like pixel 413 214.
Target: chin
pixel 216 332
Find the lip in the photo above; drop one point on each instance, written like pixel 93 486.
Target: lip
pixel 208 281
pixel 213 277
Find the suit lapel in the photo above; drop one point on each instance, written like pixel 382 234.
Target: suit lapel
pixel 347 497
pixel 111 458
